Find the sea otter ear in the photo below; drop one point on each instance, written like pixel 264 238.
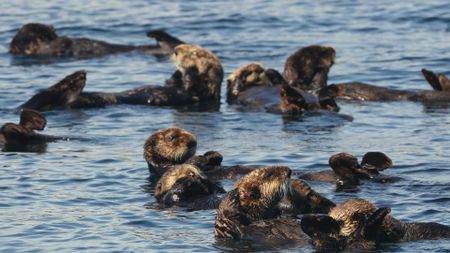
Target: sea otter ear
pixel 376 161
pixel 319 225
pixel 374 223
pixel 32 119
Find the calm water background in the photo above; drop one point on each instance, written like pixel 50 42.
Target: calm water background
pixel 93 195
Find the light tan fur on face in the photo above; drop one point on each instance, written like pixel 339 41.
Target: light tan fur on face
pixel 187 55
pixel 171 144
pixel 175 173
pixel 272 183
pixel 346 212
pixel 256 78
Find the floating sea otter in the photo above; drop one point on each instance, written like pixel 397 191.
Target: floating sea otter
pixel 186 185
pixel 253 86
pixel 198 78
pixel 347 171
pixel 169 147
pixel 358 224
pixel 36 39
pixel 368 92
pixel 21 137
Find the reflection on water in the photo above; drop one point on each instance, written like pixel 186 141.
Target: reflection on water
pixel 94 194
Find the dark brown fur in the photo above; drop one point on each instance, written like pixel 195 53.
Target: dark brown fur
pixel 36 39
pixel 198 78
pixel 347 171
pixel 255 87
pixel 18 136
pixel 256 197
pixel 369 92
pixel 388 229
pixel 308 67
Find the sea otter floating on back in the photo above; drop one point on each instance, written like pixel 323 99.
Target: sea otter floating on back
pixel 197 79
pixel 35 39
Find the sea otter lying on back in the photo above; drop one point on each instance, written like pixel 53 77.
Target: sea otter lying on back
pixel 253 86
pixel 358 224
pixel 347 171
pixel 368 92
pixel 21 136
pixel 186 185
pixel 36 39
pixel 198 78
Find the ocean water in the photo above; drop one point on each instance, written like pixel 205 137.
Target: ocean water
pixel 93 194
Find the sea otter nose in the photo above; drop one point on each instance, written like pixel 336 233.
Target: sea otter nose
pixel 192 144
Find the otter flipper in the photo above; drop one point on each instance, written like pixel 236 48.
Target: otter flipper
pixel 32 119
pixel 439 82
pixel 374 223
pixel 326 98
pixel 165 40
pixel 61 94
pixel 375 162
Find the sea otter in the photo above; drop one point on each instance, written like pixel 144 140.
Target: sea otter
pixel 21 137
pixel 197 79
pixel 186 185
pixel 347 171
pixel 357 223
pixel 357 232
pixel 307 69
pixel 368 92
pixel 253 86
pixel 62 94
pixel 255 198
pixel 36 39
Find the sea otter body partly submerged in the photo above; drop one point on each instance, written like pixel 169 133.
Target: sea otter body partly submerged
pixel 186 185
pixel 347 172
pixel 368 92
pixel 36 39
pixel 198 78
pixel 254 87
pixel 22 136
pixel 358 224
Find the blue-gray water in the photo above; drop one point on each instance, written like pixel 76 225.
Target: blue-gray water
pixel 92 195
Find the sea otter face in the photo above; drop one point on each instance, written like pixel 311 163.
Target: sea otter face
pixel 169 146
pixel 261 190
pixel 327 56
pixel 32 119
pixel 31 38
pixel 245 77
pixel 174 174
pixel 355 224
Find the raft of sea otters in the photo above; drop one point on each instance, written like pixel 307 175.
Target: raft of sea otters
pixel 265 201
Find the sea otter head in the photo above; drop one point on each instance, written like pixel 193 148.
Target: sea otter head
pixel 255 197
pixel 70 87
pixel 32 119
pixel 201 70
pixel 347 169
pixel 374 162
pixel 308 67
pixel 182 182
pixel 31 38
pixel 261 190
pixel 245 77
pixel 167 147
pixel 354 224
